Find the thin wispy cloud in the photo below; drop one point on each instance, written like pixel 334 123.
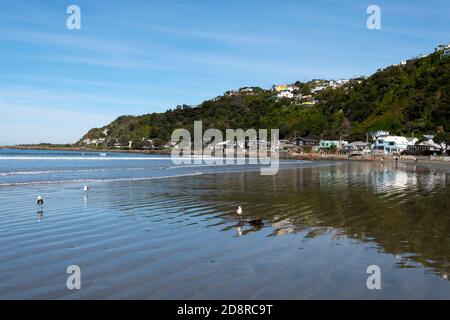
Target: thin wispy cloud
pixel 225 37
pixel 66 40
pixel 48 80
pixel 126 63
pixel 60 99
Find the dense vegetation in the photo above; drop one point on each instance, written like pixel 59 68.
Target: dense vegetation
pixel 404 99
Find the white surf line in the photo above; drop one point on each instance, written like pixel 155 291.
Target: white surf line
pixel 31 183
pixel 26 173
pixel 121 158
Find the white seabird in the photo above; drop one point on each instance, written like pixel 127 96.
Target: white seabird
pixel 239 211
pixel 86 188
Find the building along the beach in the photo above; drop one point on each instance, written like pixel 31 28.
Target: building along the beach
pixel 426 147
pixel 384 143
pixel 328 144
pixel 305 142
pixel 284 144
pixel 359 148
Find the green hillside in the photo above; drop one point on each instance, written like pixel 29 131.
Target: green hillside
pixel 404 99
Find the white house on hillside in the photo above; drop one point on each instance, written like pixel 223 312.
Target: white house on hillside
pixel 89 142
pixel 285 94
pixel 446 54
pixel 285 87
pixel 318 88
pixel 442 47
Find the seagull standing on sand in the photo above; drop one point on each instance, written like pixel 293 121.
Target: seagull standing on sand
pixel 40 201
pixel 86 189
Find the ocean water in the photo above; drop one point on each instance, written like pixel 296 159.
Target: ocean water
pixel 150 229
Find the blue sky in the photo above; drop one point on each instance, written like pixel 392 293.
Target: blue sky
pixel 135 57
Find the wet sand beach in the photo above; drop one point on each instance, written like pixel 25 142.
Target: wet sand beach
pixel 176 236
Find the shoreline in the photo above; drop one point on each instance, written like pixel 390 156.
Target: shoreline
pixel 371 158
pixel 284 155
pixel 44 148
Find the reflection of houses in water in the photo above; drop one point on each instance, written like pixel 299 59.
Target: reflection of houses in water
pixel 407 177
pixel 435 179
pixel 382 177
pixel 429 178
pixel 388 179
pixel 345 173
pixel 332 175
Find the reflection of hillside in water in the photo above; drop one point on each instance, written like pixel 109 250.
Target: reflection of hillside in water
pixel 403 209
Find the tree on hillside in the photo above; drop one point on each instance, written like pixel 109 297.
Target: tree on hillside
pixel 442 139
pixel 345 127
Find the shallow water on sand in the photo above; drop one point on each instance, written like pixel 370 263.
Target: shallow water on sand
pixel 177 236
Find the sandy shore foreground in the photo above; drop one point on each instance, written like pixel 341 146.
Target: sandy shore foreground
pixel 179 237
